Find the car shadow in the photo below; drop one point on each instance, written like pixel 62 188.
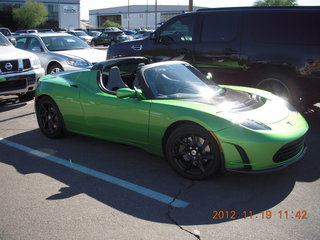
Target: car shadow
pixel 8 103
pixel 226 192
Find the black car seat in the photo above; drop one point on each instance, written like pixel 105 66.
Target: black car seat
pixel 136 83
pixel 115 81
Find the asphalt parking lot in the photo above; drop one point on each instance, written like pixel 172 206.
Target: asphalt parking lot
pixel 82 188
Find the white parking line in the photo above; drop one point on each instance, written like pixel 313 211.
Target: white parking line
pixel 105 177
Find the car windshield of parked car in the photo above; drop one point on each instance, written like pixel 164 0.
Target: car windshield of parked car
pixel 179 81
pixel 80 34
pixel 4 41
pixel 61 43
pixel 5 32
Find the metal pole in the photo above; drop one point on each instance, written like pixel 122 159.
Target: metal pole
pixel 128 15
pixel 190 5
pixel 147 13
pixel 155 15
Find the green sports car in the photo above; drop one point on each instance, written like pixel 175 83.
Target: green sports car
pixel 172 110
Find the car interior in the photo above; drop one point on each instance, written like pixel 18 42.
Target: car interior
pixel 120 76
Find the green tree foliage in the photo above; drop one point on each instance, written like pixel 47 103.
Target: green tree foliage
pixel 30 15
pixel 268 3
pixel 109 23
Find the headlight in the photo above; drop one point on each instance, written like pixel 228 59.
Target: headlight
pixel 35 62
pixel 78 62
pixel 252 124
pixel 244 121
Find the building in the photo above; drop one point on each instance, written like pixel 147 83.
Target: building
pixel 62 13
pixel 136 16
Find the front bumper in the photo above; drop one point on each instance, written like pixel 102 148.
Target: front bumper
pixel 253 151
pixel 20 82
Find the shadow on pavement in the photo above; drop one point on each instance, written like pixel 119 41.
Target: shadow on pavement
pixel 8 103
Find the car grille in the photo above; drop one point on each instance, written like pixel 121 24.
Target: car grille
pixel 14 66
pixel 9 66
pixel 26 64
pixel 289 150
pixel 13 85
pixel 17 82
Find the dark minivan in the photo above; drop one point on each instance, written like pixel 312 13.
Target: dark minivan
pixel 273 48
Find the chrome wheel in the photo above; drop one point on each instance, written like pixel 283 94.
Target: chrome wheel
pixel 55 68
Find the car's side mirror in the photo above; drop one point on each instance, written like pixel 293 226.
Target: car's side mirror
pixel 36 49
pixel 127 92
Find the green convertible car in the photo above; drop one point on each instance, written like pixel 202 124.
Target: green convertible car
pixel 172 110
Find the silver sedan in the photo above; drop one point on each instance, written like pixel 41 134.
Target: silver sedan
pixel 60 51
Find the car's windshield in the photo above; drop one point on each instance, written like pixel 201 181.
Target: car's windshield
pixel 61 43
pixel 4 41
pixel 179 81
pixel 5 32
pixel 81 34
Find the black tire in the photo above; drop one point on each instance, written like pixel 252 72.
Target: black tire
pixel 193 152
pixel 54 68
pixel 282 85
pixel 93 43
pixel 49 118
pixel 26 96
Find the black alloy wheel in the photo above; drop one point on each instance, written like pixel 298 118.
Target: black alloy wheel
pixel 49 118
pixel 193 152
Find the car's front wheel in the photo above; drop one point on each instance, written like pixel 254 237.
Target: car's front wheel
pixel 55 68
pixel 193 152
pixel 49 118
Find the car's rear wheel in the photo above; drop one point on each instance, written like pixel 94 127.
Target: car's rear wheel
pixel 281 85
pixel 193 152
pixel 55 68
pixel 49 118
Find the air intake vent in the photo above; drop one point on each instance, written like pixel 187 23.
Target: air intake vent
pixel 290 150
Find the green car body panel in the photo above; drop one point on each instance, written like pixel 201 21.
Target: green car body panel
pixel 146 123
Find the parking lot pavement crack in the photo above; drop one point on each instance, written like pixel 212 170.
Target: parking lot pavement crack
pixel 171 208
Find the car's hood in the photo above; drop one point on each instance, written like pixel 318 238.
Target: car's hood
pixel 249 103
pixel 239 103
pixel 10 52
pixel 259 105
pixel 90 54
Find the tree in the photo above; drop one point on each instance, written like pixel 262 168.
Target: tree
pixel 269 3
pixel 30 15
pixel 109 23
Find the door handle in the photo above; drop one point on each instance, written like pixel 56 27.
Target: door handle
pixel 74 85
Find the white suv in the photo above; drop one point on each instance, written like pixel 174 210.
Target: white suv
pixel 19 70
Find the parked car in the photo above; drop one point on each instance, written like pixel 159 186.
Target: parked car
pixel 141 34
pixel 272 48
pixel 60 51
pixel 19 70
pixel 45 30
pixel 18 32
pixel 94 33
pixel 172 110
pixel 8 34
pixel 110 37
pixel 82 35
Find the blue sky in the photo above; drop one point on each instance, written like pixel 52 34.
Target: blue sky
pixel 86 5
